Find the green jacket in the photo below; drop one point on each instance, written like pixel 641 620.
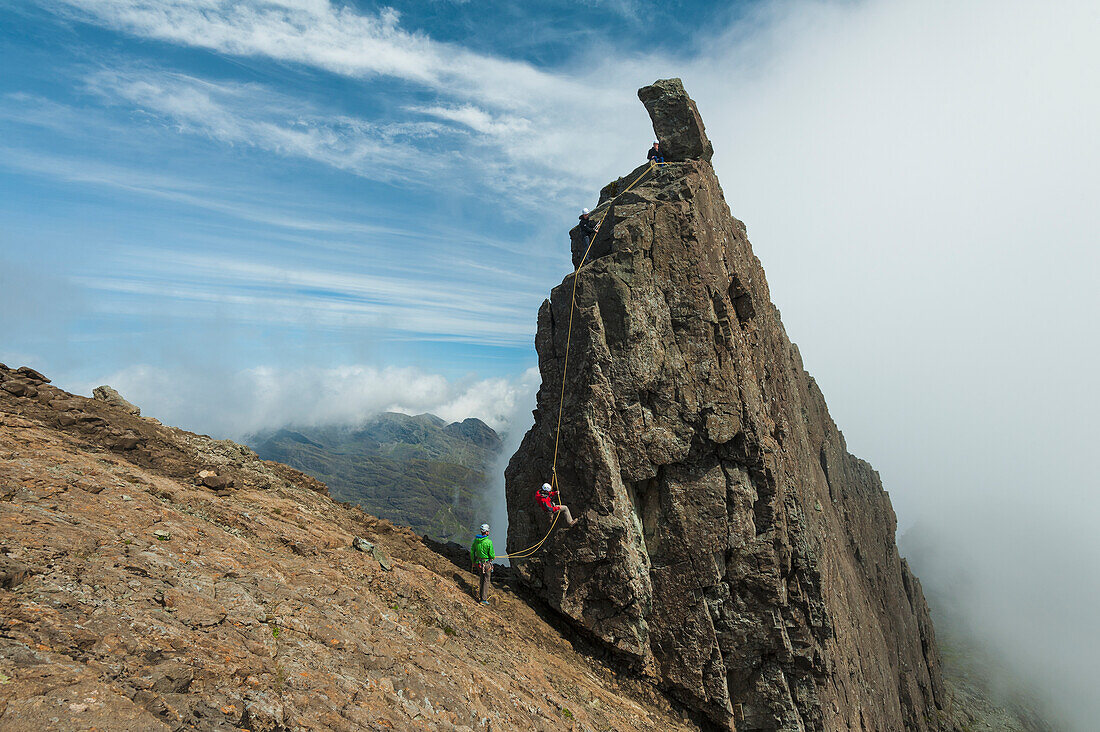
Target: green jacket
pixel 481 550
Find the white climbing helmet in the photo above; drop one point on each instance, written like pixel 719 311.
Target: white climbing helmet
pixel 584 210
pixel 485 528
pixel 546 488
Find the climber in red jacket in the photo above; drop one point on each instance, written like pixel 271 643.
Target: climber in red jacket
pixel 544 495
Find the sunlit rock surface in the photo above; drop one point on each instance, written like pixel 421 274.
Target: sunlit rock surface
pixel 728 545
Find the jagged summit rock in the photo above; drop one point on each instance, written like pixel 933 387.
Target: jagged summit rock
pixel 107 394
pixel 476 431
pixel 676 121
pixel 729 545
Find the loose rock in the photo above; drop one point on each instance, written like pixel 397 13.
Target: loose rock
pixel 107 394
pixel 29 373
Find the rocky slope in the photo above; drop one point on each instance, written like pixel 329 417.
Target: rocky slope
pixel 730 546
pixel 417 471
pixel 155 579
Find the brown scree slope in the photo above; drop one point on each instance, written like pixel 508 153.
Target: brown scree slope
pixel 255 612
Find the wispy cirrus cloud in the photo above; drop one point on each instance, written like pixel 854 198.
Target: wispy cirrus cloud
pixel 256 116
pixel 527 122
pixel 102 174
pixel 200 285
pixel 355 232
pixel 338 39
pixel 455 146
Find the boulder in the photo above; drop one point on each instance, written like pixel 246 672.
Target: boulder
pixel 10 420
pixel 676 121
pixel 171 677
pixel 107 394
pixel 370 548
pixel 193 610
pixel 19 388
pixel 28 373
pixel 123 442
pixel 12 572
pixel 217 482
pixel 67 419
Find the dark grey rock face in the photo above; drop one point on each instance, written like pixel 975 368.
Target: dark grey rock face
pixel 676 121
pixel 729 545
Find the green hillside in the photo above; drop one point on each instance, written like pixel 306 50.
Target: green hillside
pixel 419 471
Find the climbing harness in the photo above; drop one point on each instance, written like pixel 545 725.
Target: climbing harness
pixel 531 550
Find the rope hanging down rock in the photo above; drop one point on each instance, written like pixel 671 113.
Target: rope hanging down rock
pixel 531 550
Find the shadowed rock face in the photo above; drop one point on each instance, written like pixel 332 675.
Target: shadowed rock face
pixel 728 544
pixel 676 121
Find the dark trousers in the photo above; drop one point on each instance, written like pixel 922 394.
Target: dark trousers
pixel 485 569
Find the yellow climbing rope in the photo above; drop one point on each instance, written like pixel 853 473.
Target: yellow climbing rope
pixel 529 551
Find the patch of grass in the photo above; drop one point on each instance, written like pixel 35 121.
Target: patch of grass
pixel 448 630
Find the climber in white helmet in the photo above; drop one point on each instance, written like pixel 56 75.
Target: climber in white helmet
pixel 545 496
pixel 588 227
pixel 655 155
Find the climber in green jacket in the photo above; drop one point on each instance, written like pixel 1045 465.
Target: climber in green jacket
pixel 481 558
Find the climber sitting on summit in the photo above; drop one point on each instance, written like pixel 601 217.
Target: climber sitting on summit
pixel 655 154
pixel 544 495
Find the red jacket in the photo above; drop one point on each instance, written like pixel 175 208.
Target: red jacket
pixel 544 499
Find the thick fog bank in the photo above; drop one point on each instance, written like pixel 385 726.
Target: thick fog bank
pixel 1020 585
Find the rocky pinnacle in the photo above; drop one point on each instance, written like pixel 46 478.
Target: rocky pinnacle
pixel 729 547
pixel 676 121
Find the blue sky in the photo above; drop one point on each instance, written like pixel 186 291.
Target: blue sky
pixel 229 186
pixel 251 213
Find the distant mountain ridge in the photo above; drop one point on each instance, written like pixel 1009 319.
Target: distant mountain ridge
pixel 415 470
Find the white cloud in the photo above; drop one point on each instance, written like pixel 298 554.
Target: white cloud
pixel 255 116
pixel 455 307
pixel 319 33
pixel 919 179
pixel 478 119
pixel 540 136
pixel 188 192
pixel 234 403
